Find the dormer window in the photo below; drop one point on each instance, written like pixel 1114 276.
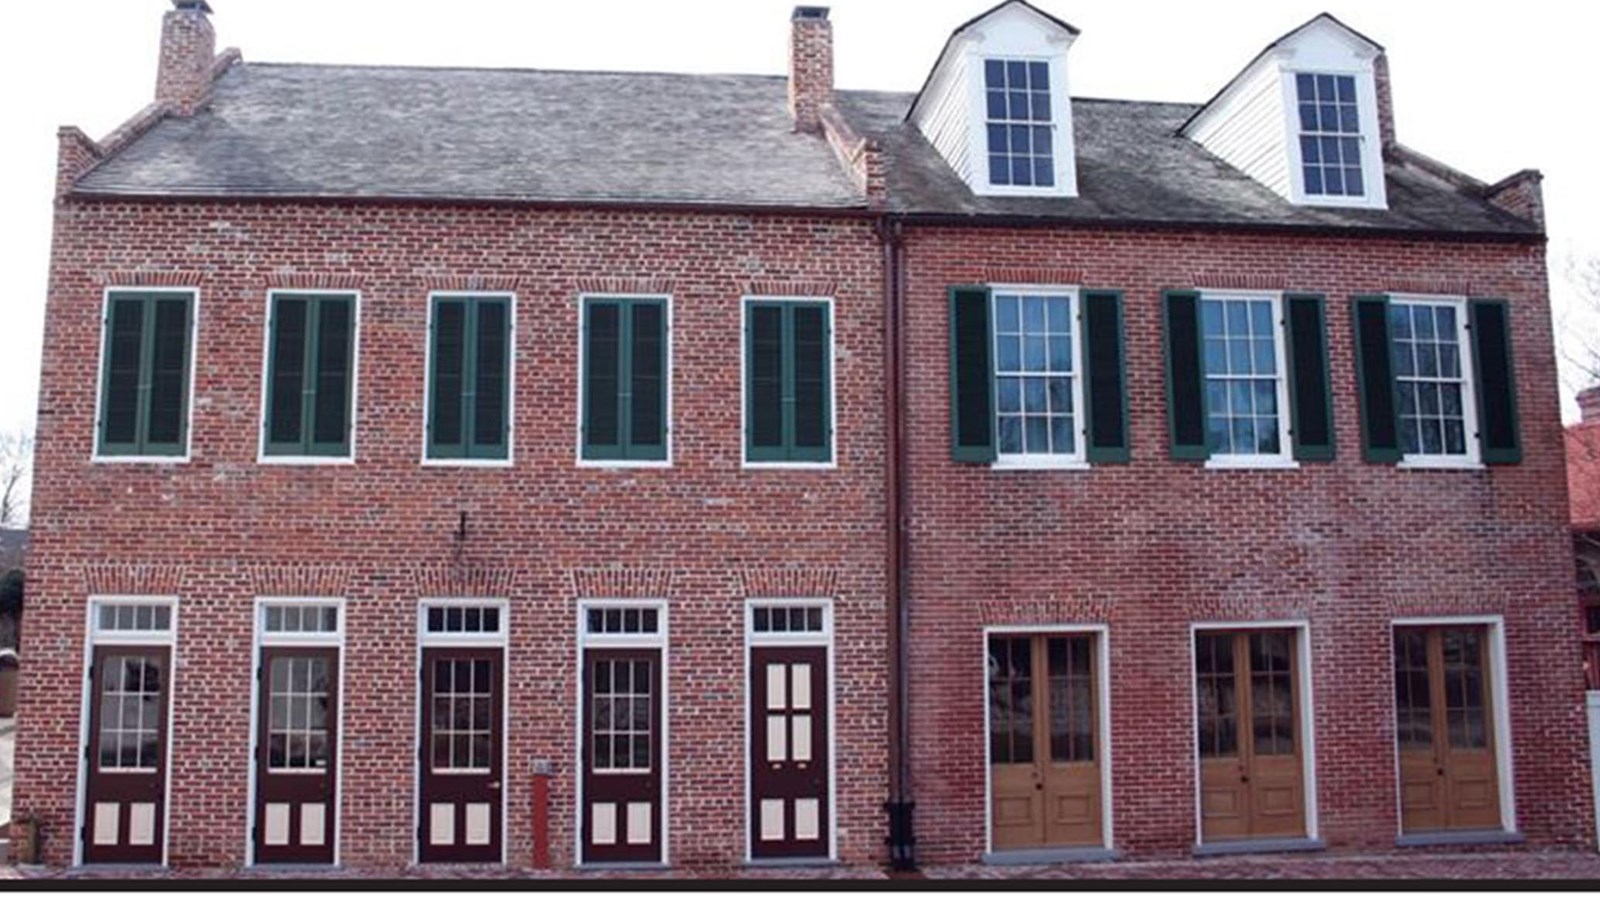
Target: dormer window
pixel 1330 135
pixel 1020 125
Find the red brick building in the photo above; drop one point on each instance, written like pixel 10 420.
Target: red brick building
pixel 429 473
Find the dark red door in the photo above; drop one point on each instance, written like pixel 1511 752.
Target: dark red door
pixel 622 755
pixel 462 769
pixel 789 752
pixel 297 755
pixel 125 802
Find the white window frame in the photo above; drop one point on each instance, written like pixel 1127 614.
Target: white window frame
pixel 660 639
pixel 95 456
pixel 1500 696
pixel 1078 460
pixel 825 640
pixel 1372 171
pixel 429 462
pixel 1101 635
pixel 98 637
pixel 1473 458
pixel 263 638
pixel 744 383
pixel 497 639
pixel 1305 721
pixel 1284 458
pixel 1061 142
pixel 583 358
pixel 262 457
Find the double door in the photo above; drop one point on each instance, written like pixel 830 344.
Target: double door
pixel 1247 690
pixel 1445 729
pixel 1043 742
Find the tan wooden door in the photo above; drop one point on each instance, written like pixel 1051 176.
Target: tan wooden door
pixel 1043 734
pixel 1252 782
pixel 1445 730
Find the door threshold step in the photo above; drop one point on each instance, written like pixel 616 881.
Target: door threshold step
pixel 1247 846
pixel 796 862
pixel 1458 838
pixel 1050 856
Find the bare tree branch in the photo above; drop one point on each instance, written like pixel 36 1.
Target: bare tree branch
pixel 16 464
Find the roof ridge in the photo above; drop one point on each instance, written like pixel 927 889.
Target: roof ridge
pixel 256 64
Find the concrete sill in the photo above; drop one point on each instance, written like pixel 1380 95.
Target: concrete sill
pixel 1250 847
pixel 1050 856
pixel 798 862
pixel 622 867
pixel 1459 838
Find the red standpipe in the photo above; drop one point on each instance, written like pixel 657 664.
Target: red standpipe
pixel 541 817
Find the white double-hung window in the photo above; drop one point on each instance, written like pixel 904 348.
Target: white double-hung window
pixel 1247 401
pixel 1434 399
pixel 1038 384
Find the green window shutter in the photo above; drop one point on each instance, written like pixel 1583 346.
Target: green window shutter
pixel 1105 382
pixel 168 395
pixel 490 335
pixel 329 403
pixel 120 382
pixel 289 326
pixel 310 375
pixel 646 367
pixel 447 435
pixel 1310 381
pixel 788 381
pixel 808 406
pixel 766 367
pixel 1186 396
pixel 972 425
pixel 1380 431
pixel 602 382
pixel 1496 382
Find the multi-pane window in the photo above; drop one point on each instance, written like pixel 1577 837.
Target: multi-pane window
pixel 1244 412
pixel 1330 135
pixel 1011 711
pixel 1413 694
pixel 297 730
pixel 621 714
pixel 130 712
pixel 786 619
pixel 1272 693
pixel 144 395
pixel 310 368
pixel 469 406
pixel 625 374
pixel 462 715
pixel 1036 375
pixel 788 390
pixel 135 617
pixel 1021 136
pixel 1431 378
pixel 1466 720
pixel 1071 699
pixel 463 620
pixel 302 619
pixel 1217 695
pixel 624 620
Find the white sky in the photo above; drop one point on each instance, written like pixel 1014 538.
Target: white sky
pixel 1489 87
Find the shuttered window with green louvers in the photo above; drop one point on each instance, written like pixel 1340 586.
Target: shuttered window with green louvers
pixel 625 372
pixel 144 394
pixel 469 392
pixel 310 375
pixel 788 382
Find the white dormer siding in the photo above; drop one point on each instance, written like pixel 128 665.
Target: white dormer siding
pixel 953 110
pixel 1256 123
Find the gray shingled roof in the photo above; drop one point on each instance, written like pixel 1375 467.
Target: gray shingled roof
pixel 276 130
pixel 347 131
pixel 1134 167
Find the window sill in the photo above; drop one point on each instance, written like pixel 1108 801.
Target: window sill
pixel 796 862
pixel 1459 838
pixel 1245 463
pixel 624 463
pixel 1442 465
pixel 1050 856
pixel 1036 464
pixel 1251 846
pixel 796 466
pixel 467 463
pixel 140 460
pixel 305 460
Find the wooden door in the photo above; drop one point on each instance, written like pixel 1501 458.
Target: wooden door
pixel 125 794
pixel 297 755
pixel 1251 766
pixel 1449 776
pixel 789 752
pixel 1043 735
pixel 622 756
pixel 462 765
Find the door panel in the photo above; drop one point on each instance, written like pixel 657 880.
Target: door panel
pixel 622 755
pixel 462 768
pixel 1252 773
pixel 124 801
pixel 789 752
pixel 1449 776
pixel 296 755
pixel 1044 771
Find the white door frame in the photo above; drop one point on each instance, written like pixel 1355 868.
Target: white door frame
pixel 1102 637
pixel 1495 626
pixel 659 640
pixel 813 639
pixel 1307 717
pixel 94 637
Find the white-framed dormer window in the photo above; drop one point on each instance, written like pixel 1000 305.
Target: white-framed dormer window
pixel 1434 393
pixel 1037 377
pixel 1247 393
pixel 1019 123
pixel 1331 153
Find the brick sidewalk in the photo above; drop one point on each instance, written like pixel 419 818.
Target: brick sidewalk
pixel 1505 866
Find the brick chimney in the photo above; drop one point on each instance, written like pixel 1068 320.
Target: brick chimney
pixel 810 66
pixel 1589 404
pixel 1380 77
pixel 188 49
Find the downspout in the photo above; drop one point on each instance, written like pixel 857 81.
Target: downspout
pixel 901 839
